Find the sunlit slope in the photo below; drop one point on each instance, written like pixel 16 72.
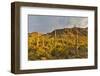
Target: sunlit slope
pixel 67 43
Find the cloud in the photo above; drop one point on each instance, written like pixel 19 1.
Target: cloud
pixel 78 21
pixel 45 24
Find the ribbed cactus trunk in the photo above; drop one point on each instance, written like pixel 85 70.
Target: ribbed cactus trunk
pixel 43 42
pixel 77 37
pixel 55 36
pixel 37 39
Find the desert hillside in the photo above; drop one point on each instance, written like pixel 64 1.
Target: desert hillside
pixel 67 43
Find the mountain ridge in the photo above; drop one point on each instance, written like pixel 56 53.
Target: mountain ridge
pixel 74 30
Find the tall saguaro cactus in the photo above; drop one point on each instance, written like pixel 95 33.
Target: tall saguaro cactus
pixel 43 42
pixel 55 35
pixel 37 39
pixel 76 41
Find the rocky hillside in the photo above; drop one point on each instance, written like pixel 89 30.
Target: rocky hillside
pixel 64 43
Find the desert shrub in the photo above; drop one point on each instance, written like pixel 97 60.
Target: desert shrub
pixel 61 47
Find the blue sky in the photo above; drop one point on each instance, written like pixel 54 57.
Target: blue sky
pixel 45 24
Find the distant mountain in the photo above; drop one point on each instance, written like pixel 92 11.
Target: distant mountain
pixel 34 34
pixel 62 32
pixel 68 31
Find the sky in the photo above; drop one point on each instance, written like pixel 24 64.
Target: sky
pixel 45 24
